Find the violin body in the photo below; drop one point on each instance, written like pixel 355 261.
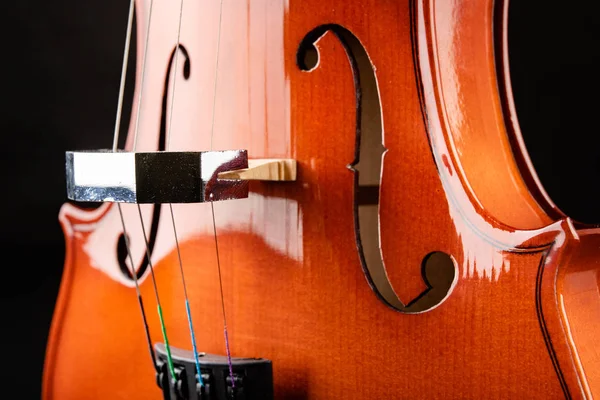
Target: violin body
pixel 400 117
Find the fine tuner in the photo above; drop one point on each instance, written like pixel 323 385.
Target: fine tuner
pixel 168 176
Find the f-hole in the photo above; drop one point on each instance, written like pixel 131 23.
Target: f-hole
pixel 122 254
pixel 438 269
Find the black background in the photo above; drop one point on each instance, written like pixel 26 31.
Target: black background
pixel 62 62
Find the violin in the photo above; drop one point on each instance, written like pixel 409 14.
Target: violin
pixel 321 200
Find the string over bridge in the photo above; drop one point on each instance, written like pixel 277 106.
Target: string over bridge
pixel 154 177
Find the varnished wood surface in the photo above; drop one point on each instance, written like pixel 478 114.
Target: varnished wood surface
pixel 520 321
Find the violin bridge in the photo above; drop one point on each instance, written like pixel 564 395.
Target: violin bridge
pixel 281 169
pixel 154 177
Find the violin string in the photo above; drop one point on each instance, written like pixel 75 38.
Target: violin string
pixel 123 76
pixel 212 207
pixel 214 99
pixel 228 351
pixel 163 328
pixel 137 289
pixel 142 78
pixel 148 256
pixel 114 148
pixel 187 302
pixel 174 75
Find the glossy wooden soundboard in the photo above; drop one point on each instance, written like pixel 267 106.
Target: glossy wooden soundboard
pixel 522 313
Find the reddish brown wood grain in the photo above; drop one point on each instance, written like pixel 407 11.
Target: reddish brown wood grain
pixel 522 319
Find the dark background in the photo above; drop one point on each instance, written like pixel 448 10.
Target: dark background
pixel 62 62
